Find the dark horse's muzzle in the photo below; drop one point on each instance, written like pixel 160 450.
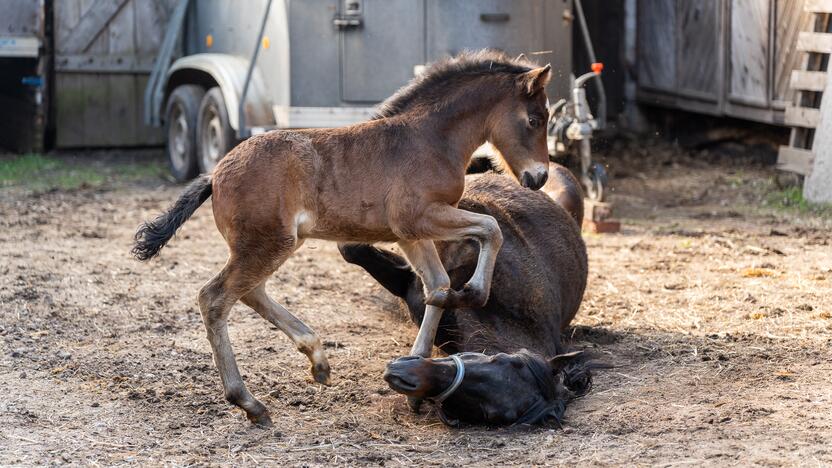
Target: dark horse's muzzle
pixel 535 181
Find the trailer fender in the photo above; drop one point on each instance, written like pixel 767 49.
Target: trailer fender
pixel 229 73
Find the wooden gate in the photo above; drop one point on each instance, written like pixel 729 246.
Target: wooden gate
pixel 104 52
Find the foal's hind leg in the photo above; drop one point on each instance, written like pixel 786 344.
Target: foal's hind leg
pixel 304 338
pixel 215 301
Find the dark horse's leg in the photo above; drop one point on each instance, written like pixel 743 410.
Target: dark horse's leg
pixel 390 270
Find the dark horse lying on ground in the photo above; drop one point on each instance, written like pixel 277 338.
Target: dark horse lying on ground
pixel 538 284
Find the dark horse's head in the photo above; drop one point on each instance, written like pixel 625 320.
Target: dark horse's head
pixel 518 388
pixel 513 90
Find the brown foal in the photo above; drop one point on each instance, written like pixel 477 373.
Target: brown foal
pixel 397 178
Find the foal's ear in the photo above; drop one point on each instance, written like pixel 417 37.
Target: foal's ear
pixel 536 79
pixel 560 361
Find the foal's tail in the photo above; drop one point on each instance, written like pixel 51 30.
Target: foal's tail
pixel 153 235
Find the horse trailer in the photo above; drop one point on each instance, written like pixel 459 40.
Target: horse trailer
pixel 226 71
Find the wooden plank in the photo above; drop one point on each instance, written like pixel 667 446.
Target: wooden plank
pixel 750 51
pixel 121 31
pixel 814 42
pixel 802 116
pixel 795 160
pixel 818 6
pixel 808 80
pixel 656 44
pixel 122 110
pixel 790 20
pixel 98 124
pixel 698 48
pixel 105 63
pixel 89 27
pixel 66 16
pixel 69 109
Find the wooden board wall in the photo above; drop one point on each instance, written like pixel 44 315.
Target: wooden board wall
pixel 722 57
pixel 104 52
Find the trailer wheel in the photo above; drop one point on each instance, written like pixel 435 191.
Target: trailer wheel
pixel 215 136
pixel 180 127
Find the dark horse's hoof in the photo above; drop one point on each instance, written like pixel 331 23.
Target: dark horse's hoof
pixel 260 420
pixel 414 404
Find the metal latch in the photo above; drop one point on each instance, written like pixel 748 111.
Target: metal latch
pixel 351 18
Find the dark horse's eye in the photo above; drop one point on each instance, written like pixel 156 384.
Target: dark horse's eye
pixel 534 122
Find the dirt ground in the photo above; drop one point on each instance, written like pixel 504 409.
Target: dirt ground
pixel 715 307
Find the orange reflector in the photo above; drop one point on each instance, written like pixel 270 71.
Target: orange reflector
pixel 209 41
pixel 597 67
pixel 266 42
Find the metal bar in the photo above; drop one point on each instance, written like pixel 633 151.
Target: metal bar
pixel 590 51
pixel 154 91
pixel 242 131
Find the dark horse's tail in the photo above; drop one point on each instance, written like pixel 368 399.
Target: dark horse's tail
pixel 153 235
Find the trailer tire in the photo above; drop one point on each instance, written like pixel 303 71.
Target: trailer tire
pixel 180 130
pixel 215 137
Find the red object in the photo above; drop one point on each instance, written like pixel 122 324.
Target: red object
pixel 601 227
pixel 597 67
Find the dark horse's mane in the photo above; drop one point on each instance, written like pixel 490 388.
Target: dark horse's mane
pixel 572 382
pixel 446 71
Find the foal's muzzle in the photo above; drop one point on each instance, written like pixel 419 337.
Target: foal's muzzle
pixel 536 180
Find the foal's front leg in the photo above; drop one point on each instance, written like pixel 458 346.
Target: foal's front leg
pixel 444 222
pixel 425 260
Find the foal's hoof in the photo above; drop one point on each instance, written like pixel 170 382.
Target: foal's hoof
pixel 468 296
pixel 260 420
pixel 438 297
pixel 414 404
pixel 320 372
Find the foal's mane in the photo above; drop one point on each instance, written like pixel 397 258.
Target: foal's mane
pixel 447 71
